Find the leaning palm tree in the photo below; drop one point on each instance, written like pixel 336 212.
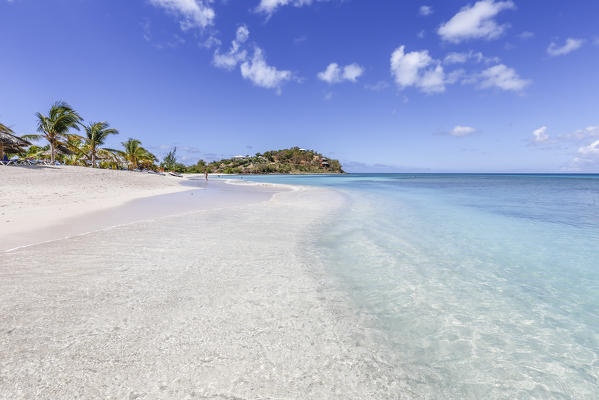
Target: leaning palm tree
pixel 97 132
pixel 56 125
pixel 77 150
pixel 135 154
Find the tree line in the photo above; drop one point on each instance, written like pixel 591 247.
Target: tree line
pixel 69 140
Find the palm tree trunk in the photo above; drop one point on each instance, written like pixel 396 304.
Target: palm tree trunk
pixel 93 157
pixel 52 152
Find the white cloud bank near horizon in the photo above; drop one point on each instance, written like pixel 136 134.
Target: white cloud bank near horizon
pixel 475 22
pixel 591 150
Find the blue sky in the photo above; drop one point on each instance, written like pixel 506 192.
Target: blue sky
pixel 382 85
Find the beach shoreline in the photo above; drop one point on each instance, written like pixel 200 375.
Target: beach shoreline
pixel 224 302
pixel 37 197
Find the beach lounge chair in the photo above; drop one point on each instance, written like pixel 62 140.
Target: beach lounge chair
pixel 9 162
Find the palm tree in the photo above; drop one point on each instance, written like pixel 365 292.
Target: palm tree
pixel 55 126
pixel 134 153
pixel 97 132
pixel 79 150
pixel 32 152
pixel 170 160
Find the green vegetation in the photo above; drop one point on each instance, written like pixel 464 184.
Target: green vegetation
pixel 137 156
pixel 96 133
pixel 72 149
pixel 169 162
pixel 55 126
pixel 287 161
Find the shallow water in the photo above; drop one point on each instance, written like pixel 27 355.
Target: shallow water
pixel 485 286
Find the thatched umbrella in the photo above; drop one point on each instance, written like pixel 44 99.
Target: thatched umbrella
pixel 10 142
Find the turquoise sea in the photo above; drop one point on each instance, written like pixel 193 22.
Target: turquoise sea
pixel 485 286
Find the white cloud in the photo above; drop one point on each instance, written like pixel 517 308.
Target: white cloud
pixel 417 69
pixel 455 76
pixel 235 55
pixel 462 130
pixel 335 74
pixel 475 22
pixel 587 154
pixel 242 34
pixel 425 10
pixel 591 150
pixel 378 86
pixel 502 77
pixel 456 58
pixel 526 35
pixel 211 42
pixel 460 58
pixel 352 72
pixel 540 134
pixel 331 74
pixel 262 74
pixel 568 47
pixel 270 6
pixel 588 132
pixel 194 13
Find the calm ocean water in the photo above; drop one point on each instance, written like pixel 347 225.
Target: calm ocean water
pixel 487 286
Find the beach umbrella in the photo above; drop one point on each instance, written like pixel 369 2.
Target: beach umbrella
pixel 10 142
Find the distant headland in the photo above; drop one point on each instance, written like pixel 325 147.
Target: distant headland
pixel 286 161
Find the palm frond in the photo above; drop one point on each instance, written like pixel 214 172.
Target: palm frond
pixel 32 136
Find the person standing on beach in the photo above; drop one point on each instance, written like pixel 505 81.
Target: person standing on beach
pixel 206 174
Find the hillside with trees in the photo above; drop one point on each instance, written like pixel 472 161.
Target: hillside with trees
pixel 286 161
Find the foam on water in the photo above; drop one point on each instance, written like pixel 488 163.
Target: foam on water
pixel 486 286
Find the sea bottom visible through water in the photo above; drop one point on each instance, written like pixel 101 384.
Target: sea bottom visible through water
pixel 484 286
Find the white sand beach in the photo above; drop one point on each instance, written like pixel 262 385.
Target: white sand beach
pixel 225 302
pixel 35 197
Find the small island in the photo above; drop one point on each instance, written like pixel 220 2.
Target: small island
pixel 287 161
